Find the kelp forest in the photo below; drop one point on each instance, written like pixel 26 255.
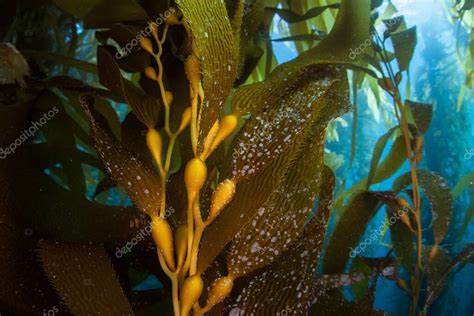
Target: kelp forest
pixel 236 157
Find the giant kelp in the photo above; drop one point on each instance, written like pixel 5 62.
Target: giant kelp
pixel 224 176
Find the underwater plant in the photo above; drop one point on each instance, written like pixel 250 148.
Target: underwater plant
pixel 224 193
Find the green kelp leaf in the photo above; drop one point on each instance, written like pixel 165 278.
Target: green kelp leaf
pixel 25 289
pixel 466 181
pixel 287 112
pixel 350 30
pixel 302 37
pixel 287 283
pixel 78 8
pixel 138 179
pixel 378 150
pixel 353 19
pixel 404 44
pixel 375 4
pixel 283 216
pixel 60 59
pixel 395 159
pixel 468 217
pixel 350 228
pixel 104 108
pixel 436 265
pixel 59 214
pixel 107 12
pixel 84 278
pixel 436 289
pixel 59 133
pixel 74 85
pixel 393 24
pixel 292 17
pixel 422 114
pixel 146 108
pixel 437 191
pixel 252 194
pixel 218 51
pixel 250 52
pixel 387 168
pixel 403 243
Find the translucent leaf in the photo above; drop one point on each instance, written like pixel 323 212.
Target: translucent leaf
pixel 218 51
pixel 84 278
pixel 138 179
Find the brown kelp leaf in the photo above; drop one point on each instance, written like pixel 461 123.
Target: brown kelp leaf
pixel 218 52
pixel 437 191
pixel 285 115
pixel 84 278
pixel 422 114
pixel 252 194
pixel 404 44
pixel 24 289
pixel 283 216
pixel 138 179
pixel 108 12
pixel 286 284
pixel 350 228
pixel 146 108
pixel 78 8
